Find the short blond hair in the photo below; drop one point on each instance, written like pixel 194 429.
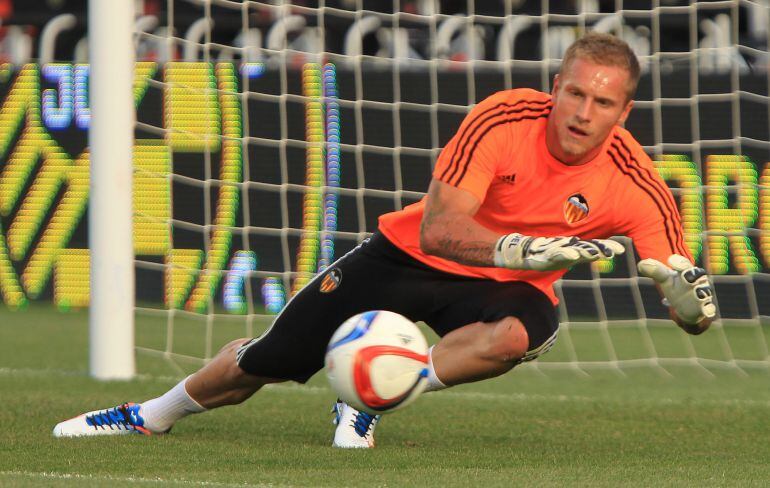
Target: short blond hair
pixel 605 50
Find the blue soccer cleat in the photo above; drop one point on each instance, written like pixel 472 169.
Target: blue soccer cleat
pixel 122 419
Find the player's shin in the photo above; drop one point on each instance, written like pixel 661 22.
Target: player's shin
pixel 479 351
pixel 222 381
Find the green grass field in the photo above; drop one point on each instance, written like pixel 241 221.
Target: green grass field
pixel 563 429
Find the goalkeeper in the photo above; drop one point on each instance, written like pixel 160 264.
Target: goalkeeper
pixel 531 185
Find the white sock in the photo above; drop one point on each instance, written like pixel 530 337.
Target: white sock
pixel 434 384
pixel 161 413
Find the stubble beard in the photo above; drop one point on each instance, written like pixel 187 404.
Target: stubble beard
pixel 573 149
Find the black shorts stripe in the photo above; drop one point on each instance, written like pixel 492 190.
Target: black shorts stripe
pixel 662 190
pixel 476 143
pixel 635 178
pixel 491 112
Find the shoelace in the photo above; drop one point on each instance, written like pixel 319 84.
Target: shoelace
pixel 337 411
pixel 362 423
pixel 118 417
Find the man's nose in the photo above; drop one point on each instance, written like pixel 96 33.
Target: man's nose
pixel 584 111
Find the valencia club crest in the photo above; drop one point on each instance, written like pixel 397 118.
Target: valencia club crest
pixel 575 208
pixel 331 281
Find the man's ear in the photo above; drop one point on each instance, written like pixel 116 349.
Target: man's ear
pixel 555 84
pixel 626 111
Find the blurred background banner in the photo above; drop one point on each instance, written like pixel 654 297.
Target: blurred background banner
pixel 45 141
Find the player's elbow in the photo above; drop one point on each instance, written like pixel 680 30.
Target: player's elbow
pixel 430 240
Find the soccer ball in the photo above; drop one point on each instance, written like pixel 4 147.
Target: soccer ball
pixel 377 361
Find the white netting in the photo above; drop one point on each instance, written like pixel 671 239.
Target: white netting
pixel 291 128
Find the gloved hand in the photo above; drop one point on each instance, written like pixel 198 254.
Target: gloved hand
pixel 686 288
pixel 517 251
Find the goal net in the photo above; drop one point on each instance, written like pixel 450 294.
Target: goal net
pixel 270 138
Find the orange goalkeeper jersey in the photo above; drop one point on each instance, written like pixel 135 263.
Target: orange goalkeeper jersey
pixel 500 156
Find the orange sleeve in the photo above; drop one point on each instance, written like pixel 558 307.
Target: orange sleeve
pixel 651 237
pixel 471 158
pixel 650 214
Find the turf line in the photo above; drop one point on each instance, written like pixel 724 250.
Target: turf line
pixel 128 479
pixel 465 395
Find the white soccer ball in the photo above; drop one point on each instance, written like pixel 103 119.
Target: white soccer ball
pixel 377 361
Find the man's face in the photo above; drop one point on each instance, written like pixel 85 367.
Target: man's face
pixel 588 101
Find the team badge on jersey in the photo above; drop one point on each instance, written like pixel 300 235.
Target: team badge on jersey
pixel 575 208
pixel 331 281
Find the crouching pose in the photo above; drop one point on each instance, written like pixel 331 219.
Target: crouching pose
pixel 530 185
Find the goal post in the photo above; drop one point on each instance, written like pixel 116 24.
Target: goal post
pixel 111 140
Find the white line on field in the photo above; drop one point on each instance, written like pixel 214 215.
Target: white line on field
pixel 82 374
pixel 129 479
pixel 466 395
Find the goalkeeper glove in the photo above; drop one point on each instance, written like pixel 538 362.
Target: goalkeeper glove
pixel 686 288
pixel 516 251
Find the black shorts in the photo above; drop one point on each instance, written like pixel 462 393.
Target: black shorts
pixel 379 276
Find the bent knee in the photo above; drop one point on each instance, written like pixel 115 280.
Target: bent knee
pixel 233 346
pixel 509 340
pixel 230 352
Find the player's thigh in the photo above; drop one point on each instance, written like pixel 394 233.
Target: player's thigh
pixel 468 301
pixel 294 346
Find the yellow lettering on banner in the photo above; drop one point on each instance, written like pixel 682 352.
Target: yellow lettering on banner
pixel 58 231
pixel 71 284
pixel 57 170
pixel 732 221
pixel 35 143
pixel 143 72
pixel 684 174
pixel 312 205
pixel 152 197
pixel 190 107
pixel 23 97
pixel 182 267
pixel 764 214
pixel 13 296
pixel 231 171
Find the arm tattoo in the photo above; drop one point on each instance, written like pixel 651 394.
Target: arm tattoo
pixel 474 253
pixel 455 236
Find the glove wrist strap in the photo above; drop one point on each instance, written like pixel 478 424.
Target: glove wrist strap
pixel 499 259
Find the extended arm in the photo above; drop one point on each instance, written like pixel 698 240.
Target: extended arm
pixel 449 231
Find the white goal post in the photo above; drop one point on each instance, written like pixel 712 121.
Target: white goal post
pixel 111 141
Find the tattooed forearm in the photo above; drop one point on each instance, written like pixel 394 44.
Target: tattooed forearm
pixel 448 229
pixel 474 253
pixel 457 237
